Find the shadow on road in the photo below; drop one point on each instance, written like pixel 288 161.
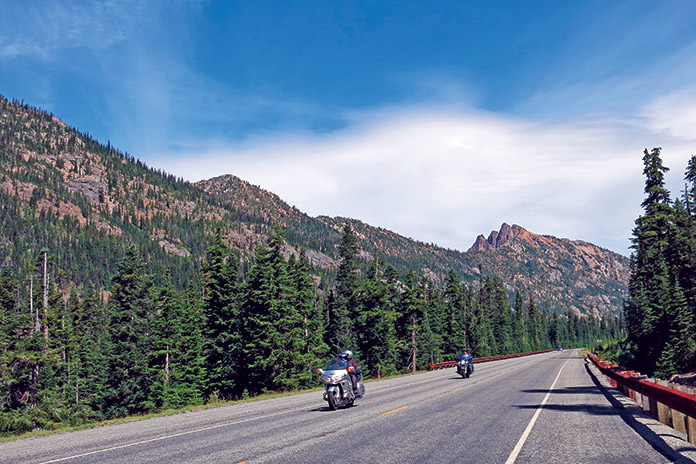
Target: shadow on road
pixel 568 390
pixel 586 408
pixel 327 409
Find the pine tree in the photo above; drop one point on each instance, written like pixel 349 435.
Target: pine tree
pixel 374 326
pixel 272 333
pixel 534 325
pixel 89 349
pixel 305 301
pixel 221 314
pixel 191 374
pixel 519 326
pixel 127 380
pixel 415 325
pixel 646 308
pixel 455 330
pixel 342 305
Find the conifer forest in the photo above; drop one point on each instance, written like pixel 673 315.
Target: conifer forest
pixel 235 334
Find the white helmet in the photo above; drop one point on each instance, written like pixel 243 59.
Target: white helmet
pixel 347 355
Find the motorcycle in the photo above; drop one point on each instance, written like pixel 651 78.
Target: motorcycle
pixel 338 387
pixel 465 365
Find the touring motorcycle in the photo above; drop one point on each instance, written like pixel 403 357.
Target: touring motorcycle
pixel 338 387
pixel 465 364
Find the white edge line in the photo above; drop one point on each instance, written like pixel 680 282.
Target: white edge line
pixel 516 451
pixel 105 450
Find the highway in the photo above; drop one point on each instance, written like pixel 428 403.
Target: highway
pixel 544 408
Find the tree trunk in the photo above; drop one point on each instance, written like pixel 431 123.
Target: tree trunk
pixel 166 368
pixel 45 300
pixel 37 323
pixel 413 345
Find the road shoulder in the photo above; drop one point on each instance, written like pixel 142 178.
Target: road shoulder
pixel 664 439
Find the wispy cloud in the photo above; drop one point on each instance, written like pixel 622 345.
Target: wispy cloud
pixel 39 29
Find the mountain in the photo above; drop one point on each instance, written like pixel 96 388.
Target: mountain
pixel 564 273
pixel 85 201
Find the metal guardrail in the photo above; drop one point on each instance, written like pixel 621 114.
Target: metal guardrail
pixel 669 405
pixel 489 358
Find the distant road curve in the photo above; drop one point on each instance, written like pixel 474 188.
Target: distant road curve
pixel 544 408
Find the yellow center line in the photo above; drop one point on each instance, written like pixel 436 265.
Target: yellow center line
pixel 393 410
pixel 458 388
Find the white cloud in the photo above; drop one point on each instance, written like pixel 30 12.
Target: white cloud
pixel 674 115
pixel 447 177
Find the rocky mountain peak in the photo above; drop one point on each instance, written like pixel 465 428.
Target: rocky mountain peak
pixel 497 239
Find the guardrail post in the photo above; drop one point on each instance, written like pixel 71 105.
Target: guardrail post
pixel 645 404
pixel 691 430
pixel 663 414
pixel 679 420
pixel 663 411
pixel 653 407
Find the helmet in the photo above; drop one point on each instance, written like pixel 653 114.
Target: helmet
pixel 347 355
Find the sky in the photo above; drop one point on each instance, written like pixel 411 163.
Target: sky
pixel 437 120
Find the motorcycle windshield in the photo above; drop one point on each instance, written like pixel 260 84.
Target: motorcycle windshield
pixel 335 364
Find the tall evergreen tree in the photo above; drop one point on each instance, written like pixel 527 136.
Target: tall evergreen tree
pixel 273 327
pixel 646 308
pixel 342 305
pixel 91 343
pixel 127 377
pixel 414 326
pixel 313 348
pixel 455 330
pixel 374 325
pixel 220 311
pixel 679 351
pixel 519 326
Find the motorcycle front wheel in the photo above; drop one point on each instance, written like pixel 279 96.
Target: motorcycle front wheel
pixel 333 401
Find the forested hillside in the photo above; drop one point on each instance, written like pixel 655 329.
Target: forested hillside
pixel 124 289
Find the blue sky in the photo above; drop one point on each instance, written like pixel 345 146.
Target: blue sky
pixel 437 120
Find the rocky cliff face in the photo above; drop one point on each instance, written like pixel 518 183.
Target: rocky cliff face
pixel 560 273
pixel 496 239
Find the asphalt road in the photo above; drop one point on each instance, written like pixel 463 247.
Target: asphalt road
pixel 434 417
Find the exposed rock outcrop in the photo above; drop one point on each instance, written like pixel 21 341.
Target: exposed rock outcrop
pixel 497 239
pixel 90 186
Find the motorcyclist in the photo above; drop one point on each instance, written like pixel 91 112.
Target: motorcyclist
pixel 465 356
pixel 355 372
